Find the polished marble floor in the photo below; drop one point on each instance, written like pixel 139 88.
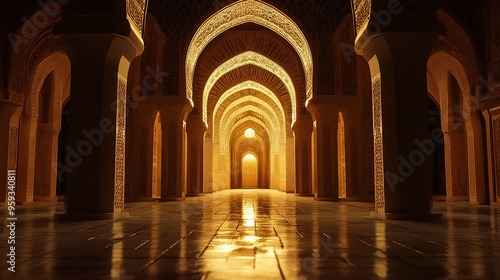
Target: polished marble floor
pixel 255 234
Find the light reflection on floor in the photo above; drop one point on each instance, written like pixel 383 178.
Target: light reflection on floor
pixel 256 234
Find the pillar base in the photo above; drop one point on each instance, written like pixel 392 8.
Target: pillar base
pixel 405 217
pixel 164 199
pixel 194 194
pixel 91 217
pixel 304 194
pixel 332 199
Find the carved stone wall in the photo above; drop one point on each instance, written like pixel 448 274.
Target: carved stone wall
pixel 342 158
pixel 13 142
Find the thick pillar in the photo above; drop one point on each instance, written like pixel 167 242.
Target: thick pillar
pixel 26 159
pixel 208 171
pixel 326 165
pixel 142 153
pixel 303 129
pixel 492 121
pixel 96 175
pixel 398 62
pixel 196 129
pixel 10 113
pixel 476 160
pixel 216 180
pixel 45 183
pixel 290 165
pixel 174 159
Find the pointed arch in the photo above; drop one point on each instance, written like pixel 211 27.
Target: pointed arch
pixel 249 11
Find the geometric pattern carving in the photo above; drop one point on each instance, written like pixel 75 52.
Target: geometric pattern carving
pixel 13 142
pixel 341 138
pixel 120 144
pixel 378 145
pixel 362 10
pixel 247 11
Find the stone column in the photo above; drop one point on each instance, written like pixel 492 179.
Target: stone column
pixel 303 129
pixel 174 159
pixel 398 66
pixel 10 113
pixel 99 67
pixel 196 129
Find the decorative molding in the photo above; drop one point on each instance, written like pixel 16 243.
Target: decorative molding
pixel 496 149
pixel 247 11
pixel 136 13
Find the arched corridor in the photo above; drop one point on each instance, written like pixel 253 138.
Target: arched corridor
pixel 314 118
pixel 244 234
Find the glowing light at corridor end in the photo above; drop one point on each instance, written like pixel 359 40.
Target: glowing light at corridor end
pixel 250 133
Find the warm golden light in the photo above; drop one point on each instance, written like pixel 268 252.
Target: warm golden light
pixel 242 12
pixel 250 85
pixel 250 133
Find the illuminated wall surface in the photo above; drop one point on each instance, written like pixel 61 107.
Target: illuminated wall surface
pixel 250 139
